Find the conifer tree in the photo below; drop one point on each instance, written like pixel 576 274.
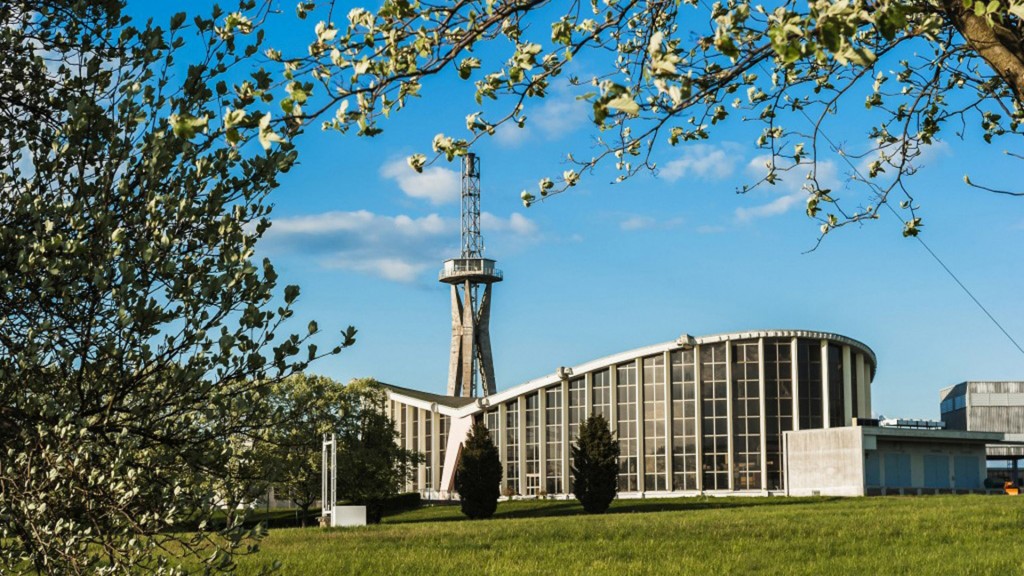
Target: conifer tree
pixel 595 465
pixel 478 477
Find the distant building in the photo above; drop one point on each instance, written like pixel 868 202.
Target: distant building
pixel 989 406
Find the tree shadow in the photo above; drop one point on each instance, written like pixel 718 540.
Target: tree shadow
pixel 557 508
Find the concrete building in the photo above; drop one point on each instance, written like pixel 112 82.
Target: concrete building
pixel 989 406
pixel 873 460
pixel 694 415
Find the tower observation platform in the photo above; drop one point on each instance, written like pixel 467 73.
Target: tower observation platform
pixel 471 366
pixel 480 270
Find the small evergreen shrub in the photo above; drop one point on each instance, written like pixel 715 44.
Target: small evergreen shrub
pixel 478 477
pixel 595 465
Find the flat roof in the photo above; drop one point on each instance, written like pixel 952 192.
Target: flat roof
pixel 933 434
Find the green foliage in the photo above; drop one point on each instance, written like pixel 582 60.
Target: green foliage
pixel 372 467
pixel 308 407
pixel 595 465
pixel 139 338
pixel 402 503
pixel 478 477
pixel 672 72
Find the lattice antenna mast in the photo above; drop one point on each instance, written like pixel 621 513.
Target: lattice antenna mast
pixel 472 241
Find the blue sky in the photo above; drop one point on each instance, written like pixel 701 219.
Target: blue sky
pixel 605 268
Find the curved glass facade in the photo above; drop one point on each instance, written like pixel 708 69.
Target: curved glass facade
pixel 704 415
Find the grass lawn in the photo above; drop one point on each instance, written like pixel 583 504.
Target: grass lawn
pixel 882 535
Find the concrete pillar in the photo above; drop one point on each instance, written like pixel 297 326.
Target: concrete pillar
pixel 667 393
pixel 503 437
pixel 867 393
pixel 435 451
pixel 863 406
pixel 641 426
pixel 826 397
pixel 847 387
pixel 764 412
pixel 588 395
pixel 564 435
pixel 699 414
pixel 542 438
pixel 408 441
pixel 613 384
pixel 521 429
pixel 729 411
pixel 795 370
pixel 421 473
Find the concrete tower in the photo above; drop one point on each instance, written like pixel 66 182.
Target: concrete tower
pixel 471 367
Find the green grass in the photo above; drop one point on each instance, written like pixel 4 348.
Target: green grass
pixel 883 535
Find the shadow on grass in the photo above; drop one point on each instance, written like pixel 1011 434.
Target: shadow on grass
pixel 556 508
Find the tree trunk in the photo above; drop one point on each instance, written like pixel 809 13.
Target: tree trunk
pixel 1001 46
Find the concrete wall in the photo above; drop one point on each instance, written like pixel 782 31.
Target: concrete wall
pixel 996 416
pixel 825 462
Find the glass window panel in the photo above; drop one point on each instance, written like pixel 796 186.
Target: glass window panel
pixel 809 372
pixel 714 416
pixel 427 455
pixel 444 425
pixel 836 390
pixel 602 391
pixel 625 389
pixel 746 417
pixel 778 393
pixel 655 442
pixel 553 431
pixel 855 384
pixel 512 447
pixel 531 423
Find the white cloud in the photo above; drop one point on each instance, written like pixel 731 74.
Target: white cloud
pixel 561 115
pixel 394 269
pixel 788 191
pixel 510 135
pixel 397 248
pixel 636 222
pixel 702 161
pixel 516 224
pixel 436 183
pixel 361 221
pixel 778 206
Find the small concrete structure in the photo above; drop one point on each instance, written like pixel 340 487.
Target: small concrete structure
pixel 348 516
pixel 871 460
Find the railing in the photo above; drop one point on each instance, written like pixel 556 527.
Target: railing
pixel 469 267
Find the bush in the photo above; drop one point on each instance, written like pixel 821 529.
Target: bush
pixel 401 503
pixel 595 465
pixel 478 477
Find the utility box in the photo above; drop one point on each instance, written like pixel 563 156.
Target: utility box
pixel 348 516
